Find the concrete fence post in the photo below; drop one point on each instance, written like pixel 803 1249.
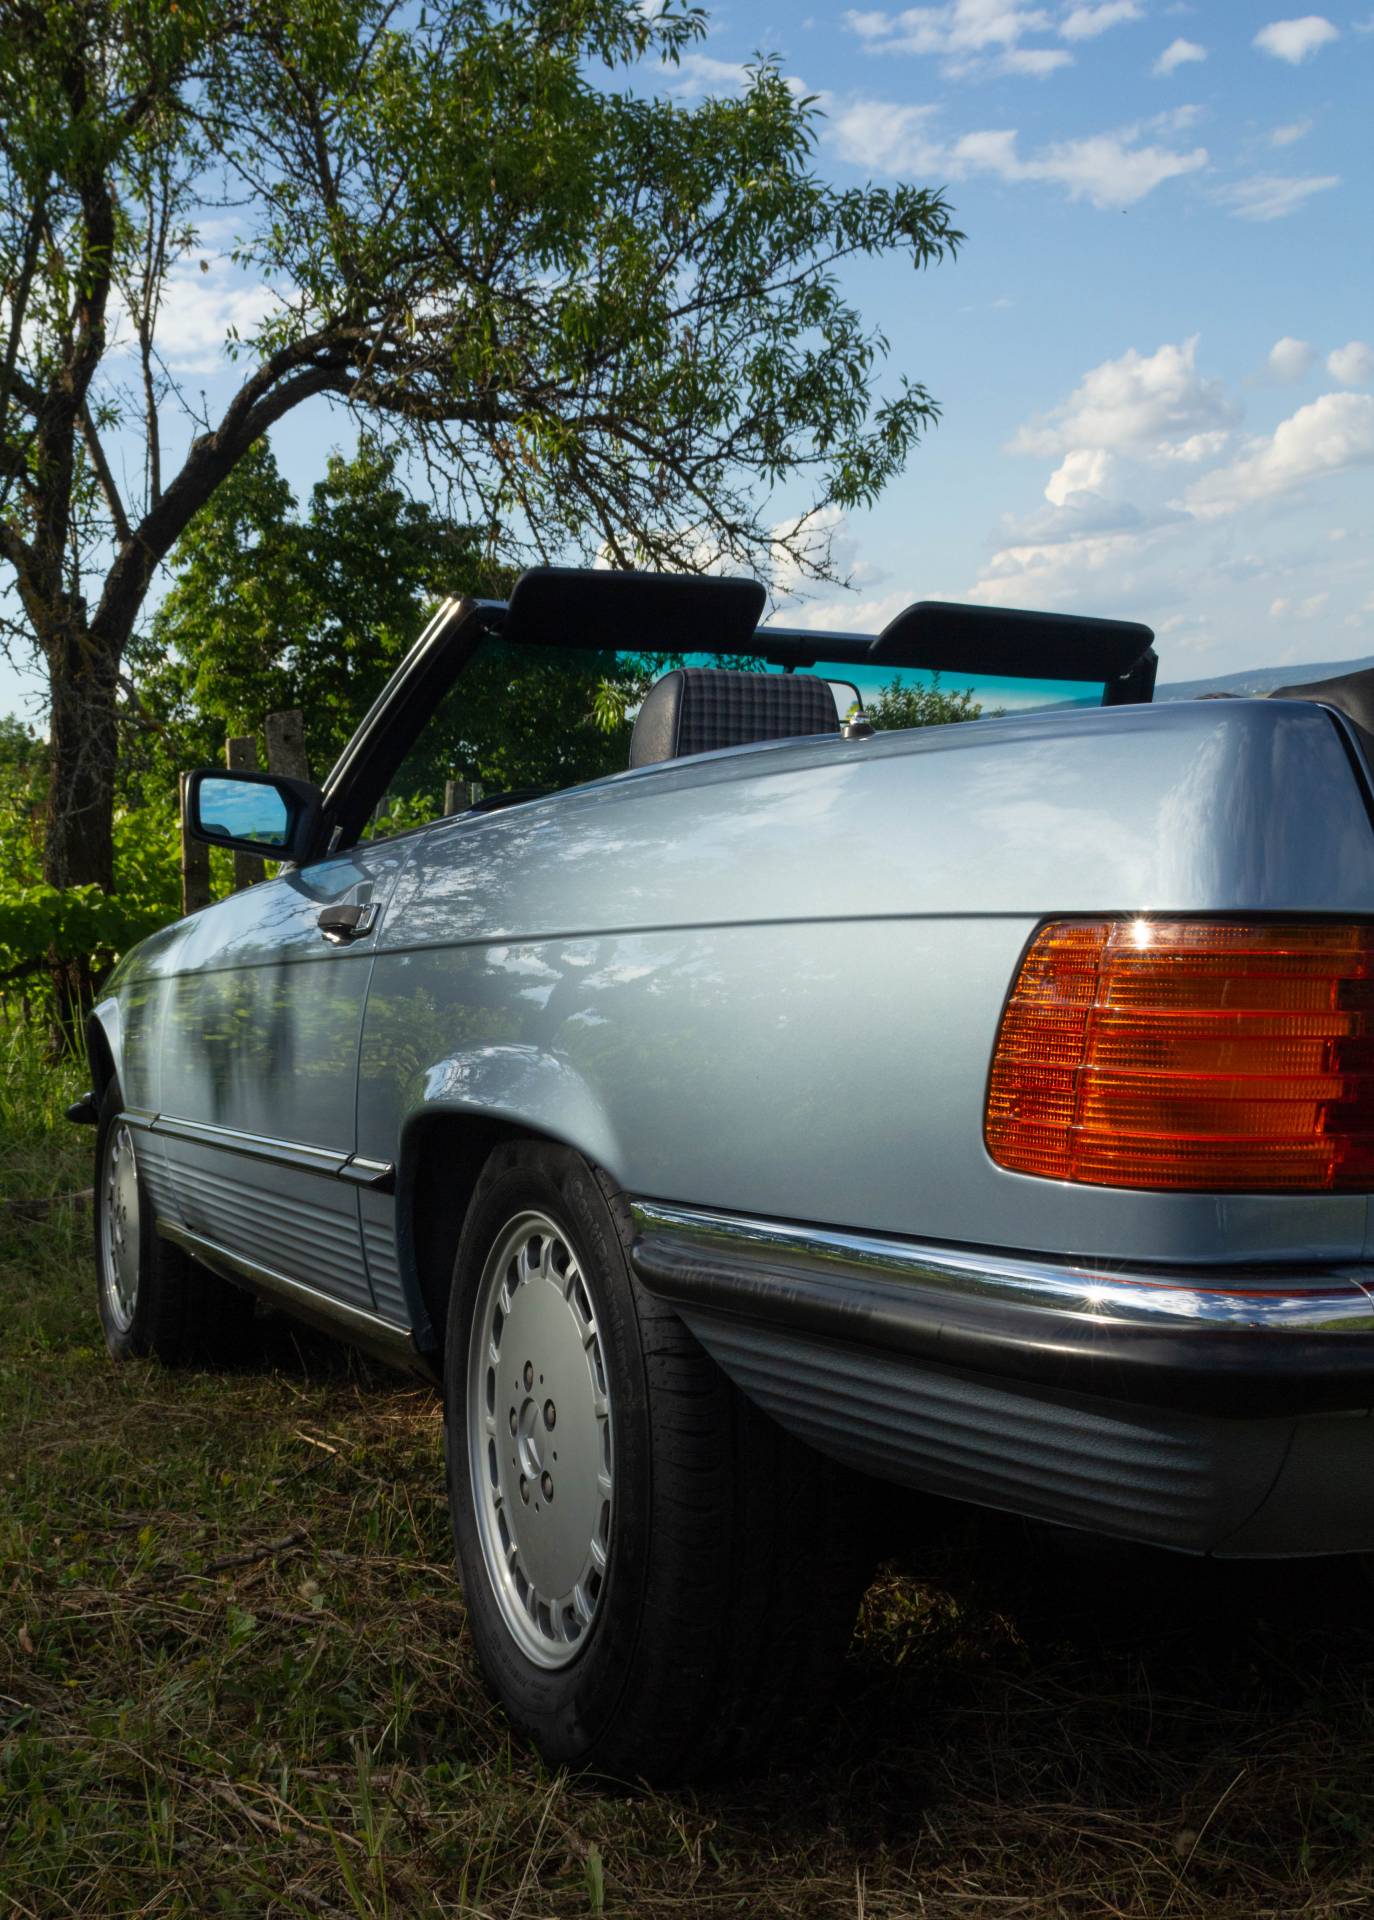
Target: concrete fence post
pixel 241 756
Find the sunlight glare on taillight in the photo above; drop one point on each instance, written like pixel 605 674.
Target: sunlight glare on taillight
pixel 1189 1055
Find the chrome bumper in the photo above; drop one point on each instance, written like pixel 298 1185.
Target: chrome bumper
pixel 1229 1339
pixel 1212 1410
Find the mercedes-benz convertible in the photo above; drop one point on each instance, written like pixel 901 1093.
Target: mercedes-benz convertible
pixel 986 1108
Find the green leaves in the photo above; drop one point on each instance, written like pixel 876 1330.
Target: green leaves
pixel 595 321
pixel 72 922
pixel 905 704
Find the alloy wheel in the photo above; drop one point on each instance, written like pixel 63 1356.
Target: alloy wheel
pixel 539 1438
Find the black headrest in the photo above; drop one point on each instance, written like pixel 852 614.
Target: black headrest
pixel 697 709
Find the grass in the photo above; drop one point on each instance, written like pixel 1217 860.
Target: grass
pixel 234 1678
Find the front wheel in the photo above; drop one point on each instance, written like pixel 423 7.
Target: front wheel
pixel 658 1578
pixel 153 1300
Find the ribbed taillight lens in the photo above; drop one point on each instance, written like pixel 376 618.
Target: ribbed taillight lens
pixel 1190 1055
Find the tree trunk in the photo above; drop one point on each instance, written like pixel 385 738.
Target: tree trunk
pixel 79 837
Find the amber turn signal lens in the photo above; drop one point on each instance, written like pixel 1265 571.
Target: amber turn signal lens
pixel 1190 1055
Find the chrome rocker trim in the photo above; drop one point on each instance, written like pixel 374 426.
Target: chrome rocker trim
pixel 380 1337
pixel 1224 1340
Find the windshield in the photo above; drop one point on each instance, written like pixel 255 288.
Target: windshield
pixel 534 719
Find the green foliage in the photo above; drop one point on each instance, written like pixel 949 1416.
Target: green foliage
pixel 69 921
pixel 85 923
pixel 270 608
pixel 903 704
pixel 23 792
pixel 607 323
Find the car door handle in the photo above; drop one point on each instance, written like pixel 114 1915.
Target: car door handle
pixel 347 920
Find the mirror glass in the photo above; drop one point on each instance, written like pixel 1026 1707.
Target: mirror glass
pixel 243 810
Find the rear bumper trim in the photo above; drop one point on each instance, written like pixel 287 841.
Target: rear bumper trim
pixel 1225 1340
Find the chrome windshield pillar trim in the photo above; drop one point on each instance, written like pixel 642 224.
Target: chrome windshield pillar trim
pixel 1312 1299
pixel 298 1296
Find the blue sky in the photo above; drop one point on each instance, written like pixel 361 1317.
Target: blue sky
pixel 1154 356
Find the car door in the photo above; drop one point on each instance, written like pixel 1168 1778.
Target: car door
pixel 259 1057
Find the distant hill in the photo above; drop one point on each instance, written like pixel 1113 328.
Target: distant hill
pixel 1260 679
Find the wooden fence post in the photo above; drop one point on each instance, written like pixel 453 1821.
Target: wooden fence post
pixel 286 744
pixel 241 756
pixel 195 863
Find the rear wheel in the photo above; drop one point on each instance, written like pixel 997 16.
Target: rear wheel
pixel 153 1300
pixel 658 1578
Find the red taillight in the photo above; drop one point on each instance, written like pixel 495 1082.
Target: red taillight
pixel 1189 1055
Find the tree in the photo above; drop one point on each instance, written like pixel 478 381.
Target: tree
pixel 906 704
pixel 268 608
pixel 601 319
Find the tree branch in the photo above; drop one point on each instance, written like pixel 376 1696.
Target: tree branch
pixel 102 473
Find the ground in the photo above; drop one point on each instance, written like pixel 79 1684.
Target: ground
pixel 235 1679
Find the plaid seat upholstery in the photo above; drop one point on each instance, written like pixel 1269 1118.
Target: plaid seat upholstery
pixel 698 709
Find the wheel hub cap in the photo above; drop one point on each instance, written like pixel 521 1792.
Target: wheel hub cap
pixel 539 1438
pixel 119 1228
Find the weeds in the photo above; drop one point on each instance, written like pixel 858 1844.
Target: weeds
pixel 234 1679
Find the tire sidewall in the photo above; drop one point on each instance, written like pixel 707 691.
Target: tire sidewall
pixel 564 1709
pixel 124 1343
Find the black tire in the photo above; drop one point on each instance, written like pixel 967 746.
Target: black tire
pixel 179 1313
pixel 736 1556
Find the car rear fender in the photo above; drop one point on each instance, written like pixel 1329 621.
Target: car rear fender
pixel 467 1105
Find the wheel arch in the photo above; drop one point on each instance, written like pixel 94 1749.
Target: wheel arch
pixel 102 1047
pixel 473 1104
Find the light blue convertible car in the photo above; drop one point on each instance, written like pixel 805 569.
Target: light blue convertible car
pixel 984 1108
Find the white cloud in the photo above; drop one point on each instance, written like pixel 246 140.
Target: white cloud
pixel 1095 570
pixel 1296 40
pixel 1111 170
pixel 1328 435
pixel 1307 609
pixel 1352 364
pixel 1289 359
pixel 702 73
pixel 1039 62
pixel 1272 196
pixel 1157 405
pixel 1085 23
pixel 1290 134
pixel 1085 470
pixel 977 37
pixel 888 138
pixel 1178 53
pixel 957 29
pixel 200 308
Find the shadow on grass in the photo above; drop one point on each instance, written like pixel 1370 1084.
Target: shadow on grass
pixel 1062 1725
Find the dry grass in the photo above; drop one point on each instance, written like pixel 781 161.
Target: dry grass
pixel 234 1679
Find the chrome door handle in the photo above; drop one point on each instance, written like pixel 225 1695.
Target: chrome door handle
pixel 346 921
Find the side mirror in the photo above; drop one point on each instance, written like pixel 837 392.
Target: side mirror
pixel 262 813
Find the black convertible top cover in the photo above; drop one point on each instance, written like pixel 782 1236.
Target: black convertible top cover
pixel 690 613
pixel 595 608
pixel 962 639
